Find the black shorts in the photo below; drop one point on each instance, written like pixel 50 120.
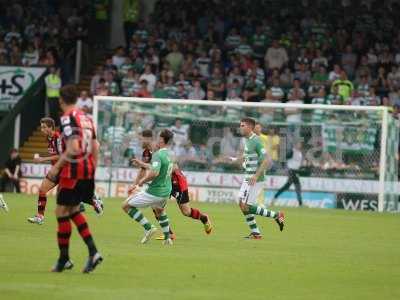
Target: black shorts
pixel 181 197
pixel 82 192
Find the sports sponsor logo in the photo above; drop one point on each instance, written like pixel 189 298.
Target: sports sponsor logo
pixel 352 201
pixel 14 82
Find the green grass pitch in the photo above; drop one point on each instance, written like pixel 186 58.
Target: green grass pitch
pixel 322 254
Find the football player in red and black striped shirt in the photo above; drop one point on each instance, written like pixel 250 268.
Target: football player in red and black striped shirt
pixel 76 168
pixel 55 147
pixel 179 185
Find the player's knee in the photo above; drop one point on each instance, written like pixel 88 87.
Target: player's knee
pixel 158 212
pixel 185 210
pixel 62 211
pixel 125 206
pixel 243 206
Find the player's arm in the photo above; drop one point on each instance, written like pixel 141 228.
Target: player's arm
pixel 153 171
pixel 95 150
pixel 150 175
pixel 265 162
pixel 41 159
pixel 72 148
pixel 140 164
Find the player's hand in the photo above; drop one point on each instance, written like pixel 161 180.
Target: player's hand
pixel 38 159
pixel 253 180
pixel 132 189
pixel 136 162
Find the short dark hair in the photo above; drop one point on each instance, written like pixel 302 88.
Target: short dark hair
pixel 249 121
pixel 69 94
pixel 167 135
pixel 49 122
pixel 147 133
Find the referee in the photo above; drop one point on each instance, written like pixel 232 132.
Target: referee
pixel 293 164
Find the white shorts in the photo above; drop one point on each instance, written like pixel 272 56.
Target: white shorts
pixel 143 199
pixel 249 193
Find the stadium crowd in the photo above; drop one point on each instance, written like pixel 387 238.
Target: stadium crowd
pixel 302 53
pixel 42 33
pixel 320 52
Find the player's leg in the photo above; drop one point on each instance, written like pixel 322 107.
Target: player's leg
pixel 183 202
pixel 3 203
pixel 297 186
pixel 131 206
pixel 163 221
pixel 95 202
pixel 250 206
pixel 84 189
pixel 172 234
pixel 250 218
pixel 46 186
pixel 64 230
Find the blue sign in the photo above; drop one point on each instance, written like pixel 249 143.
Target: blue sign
pixel 310 199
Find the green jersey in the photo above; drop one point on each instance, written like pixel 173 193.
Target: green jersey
pixel 254 155
pixel 161 186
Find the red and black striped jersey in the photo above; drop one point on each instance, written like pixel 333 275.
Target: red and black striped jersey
pixel 76 125
pixel 179 182
pixel 56 145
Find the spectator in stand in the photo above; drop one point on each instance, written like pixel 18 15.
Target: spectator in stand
pixel 130 83
pixel 143 92
pixel 232 41
pixel 181 93
pixel 101 89
pixel 12 171
pixel 197 93
pixel 275 92
pixel 286 78
pixel 319 60
pixel 175 59
pixel 335 73
pixel 381 82
pixel 296 95
pixel 303 74
pixel 276 56
pixel 349 61
pixel 111 84
pixel 118 59
pixel 150 78
pixel 217 84
pixel 203 64
pixel 259 42
pixel 234 90
pixel 345 87
pixel 30 56
pixel 85 103
pixel 181 132
pixel 96 79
